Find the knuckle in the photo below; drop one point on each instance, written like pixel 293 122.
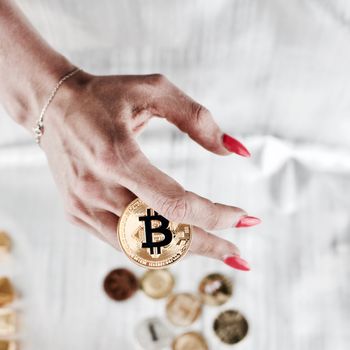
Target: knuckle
pixel 156 79
pixel 230 248
pixel 175 209
pixel 199 112
pixel 212 220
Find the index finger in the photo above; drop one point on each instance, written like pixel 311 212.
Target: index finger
pixel 171 200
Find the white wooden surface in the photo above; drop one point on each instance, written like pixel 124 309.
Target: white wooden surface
pixel 295 297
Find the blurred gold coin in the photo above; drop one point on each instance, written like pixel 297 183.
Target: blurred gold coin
pixel 7 322
pixel 215 289
pixel 183 309
pixel 7 292
pixel 190 341
pixel 5 243
pixel 7 345
pixel 231 326
pixel 149 239
pixel 157 283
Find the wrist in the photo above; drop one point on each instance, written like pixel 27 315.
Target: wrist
pixel 58 107
pixel 24 101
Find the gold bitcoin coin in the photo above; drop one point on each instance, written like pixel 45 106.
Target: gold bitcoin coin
pixel 231 326
pixel 149 239
pixel 215 289
pixel 157 284
pixel 190 341
pixel 182 309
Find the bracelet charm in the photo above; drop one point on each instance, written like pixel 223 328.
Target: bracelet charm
pixel 38 131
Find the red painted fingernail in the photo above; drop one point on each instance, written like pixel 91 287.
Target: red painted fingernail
pixel 234 146
pixel 237 263
pixel 246 221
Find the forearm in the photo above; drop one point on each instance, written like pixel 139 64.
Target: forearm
pixel 29 67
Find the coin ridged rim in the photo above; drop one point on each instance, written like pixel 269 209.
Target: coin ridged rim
pixel 133 260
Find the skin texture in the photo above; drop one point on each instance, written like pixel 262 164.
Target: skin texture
pixel 89 138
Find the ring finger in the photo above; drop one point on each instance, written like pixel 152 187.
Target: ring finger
pixel 212 246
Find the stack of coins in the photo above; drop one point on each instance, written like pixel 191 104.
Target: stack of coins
pixel 7 296
pixel 7 293
pixel 181 309
pixel 7 345
pixel 5 245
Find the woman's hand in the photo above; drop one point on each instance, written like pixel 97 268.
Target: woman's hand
pixel 89 141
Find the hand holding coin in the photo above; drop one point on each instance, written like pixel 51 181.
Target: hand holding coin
pixel 113 171
pixel 88 137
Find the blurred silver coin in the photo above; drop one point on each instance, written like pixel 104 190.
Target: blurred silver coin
pixel 190 341
pixel 182 309
pixel 157 284
pixel 153 334
pixel 230 326
pixel 215 289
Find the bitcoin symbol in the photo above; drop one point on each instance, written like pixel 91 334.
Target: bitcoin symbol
pixel 149 239
pixel 149 230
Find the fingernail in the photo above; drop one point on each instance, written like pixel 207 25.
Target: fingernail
pixel 237 263
pixel 234 146
pixel 246 221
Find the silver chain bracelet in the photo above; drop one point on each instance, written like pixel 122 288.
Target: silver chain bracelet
pixel 39 126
